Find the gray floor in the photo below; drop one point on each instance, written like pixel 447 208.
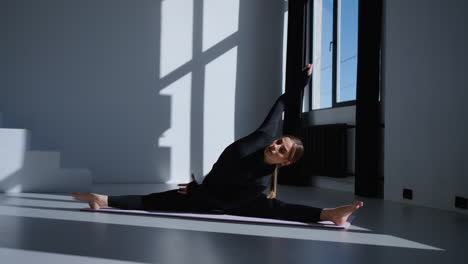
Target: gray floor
pixel 49 228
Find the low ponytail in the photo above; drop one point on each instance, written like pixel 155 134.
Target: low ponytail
pixel 273 183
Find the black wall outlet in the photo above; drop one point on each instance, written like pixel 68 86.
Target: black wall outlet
pixel 461 202
pixel 408 194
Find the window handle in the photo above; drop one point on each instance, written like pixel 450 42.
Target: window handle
pixel 330 46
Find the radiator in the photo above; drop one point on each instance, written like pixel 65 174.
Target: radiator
pixel 325 150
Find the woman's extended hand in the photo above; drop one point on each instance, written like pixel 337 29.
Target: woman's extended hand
pixel 305 76
pixel 183 186
pixel 308 69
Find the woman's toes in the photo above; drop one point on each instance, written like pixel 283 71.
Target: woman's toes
pixel 357 204
pixel 93 205
pixel 77 196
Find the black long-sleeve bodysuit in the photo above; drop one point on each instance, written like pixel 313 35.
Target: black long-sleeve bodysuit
pixel 235 184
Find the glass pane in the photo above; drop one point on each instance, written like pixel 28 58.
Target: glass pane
pixel 347 50
pixel 323 54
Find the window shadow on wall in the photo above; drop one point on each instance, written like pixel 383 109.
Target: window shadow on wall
pixel 97 82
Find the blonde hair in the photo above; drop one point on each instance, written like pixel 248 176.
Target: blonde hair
pixel 295 155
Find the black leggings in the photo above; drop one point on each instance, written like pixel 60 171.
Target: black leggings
pixel 173 201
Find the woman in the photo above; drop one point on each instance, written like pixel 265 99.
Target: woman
pixel 236 183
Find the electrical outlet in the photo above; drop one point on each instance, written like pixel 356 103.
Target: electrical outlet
pixel 408 194
pixel 461 202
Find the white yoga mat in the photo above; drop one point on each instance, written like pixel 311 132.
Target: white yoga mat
pixel 224 217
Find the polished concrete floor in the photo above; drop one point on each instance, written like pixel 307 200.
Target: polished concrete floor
pixel 49 228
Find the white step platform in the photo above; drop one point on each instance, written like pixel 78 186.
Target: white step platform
pixel 13 146
pixel 49 181
pixel 23 170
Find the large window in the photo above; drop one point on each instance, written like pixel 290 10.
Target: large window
pixel 332 48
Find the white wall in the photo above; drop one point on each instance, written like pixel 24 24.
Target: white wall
pixel 424 61
pixel 114 85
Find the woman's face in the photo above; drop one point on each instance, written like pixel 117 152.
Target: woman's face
pixel 278 151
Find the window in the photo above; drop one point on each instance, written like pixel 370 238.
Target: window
pixel 332 48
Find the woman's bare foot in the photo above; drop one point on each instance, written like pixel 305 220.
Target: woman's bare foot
pixel 340 215
pixel 94 200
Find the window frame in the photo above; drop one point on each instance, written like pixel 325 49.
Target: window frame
pixel 308 55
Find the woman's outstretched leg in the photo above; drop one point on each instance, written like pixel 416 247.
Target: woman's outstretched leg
pixel 94 200
pixel 273 208
pixel 340 215
pixel 164 201
pixel 276 209
pixel 126 202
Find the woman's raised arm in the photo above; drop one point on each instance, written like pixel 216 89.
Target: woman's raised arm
pixel 271 123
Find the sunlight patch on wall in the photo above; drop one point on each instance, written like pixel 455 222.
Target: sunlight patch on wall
pixel 13 145
pixel 219 107
pixel 15 189
pixel 176 34
pixel 220 20
pixel 177 137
